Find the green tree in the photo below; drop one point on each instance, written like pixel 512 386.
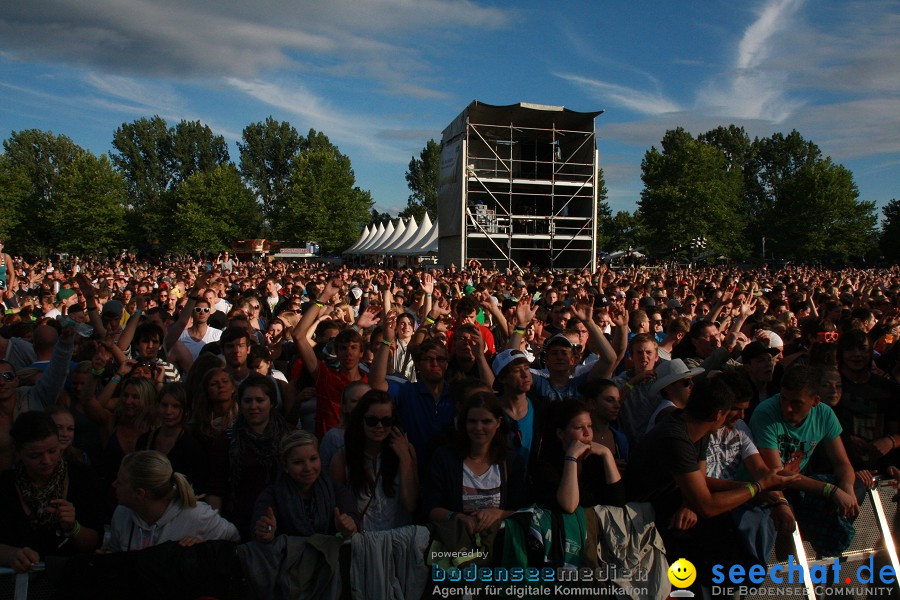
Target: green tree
pixel 15 191
pixel 815 209
pixel 41 157
pixel 87 215
pixel 214 208
pixel 688 193
pixel 623 231
pixel 604 212
pixel 195 148
pixel 379 217
pixel 144 155
pixel 422 178
pixel 889 240
pixel 267 154
pixel 324 203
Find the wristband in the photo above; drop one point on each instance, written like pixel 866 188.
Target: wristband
pixel 387 342
pixel 428 295
pixel 893 443
pixel 356 328
pixel 782 501
pixel 429 320
pixel 115 379
pixel 97 372
pixel 752 489
pixel 828 490
pixel 629 385
pixel 450 516
pixel 518 330
pixel 75 531
pixel 319 304
pixel 758 486
pixel 570 458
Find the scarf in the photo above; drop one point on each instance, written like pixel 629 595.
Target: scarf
pixel 264 446
pixel 305 518
pixel 38 499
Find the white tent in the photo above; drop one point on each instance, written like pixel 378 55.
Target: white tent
pixel 411 229
pixel 413 246
pixel 385 231
pixel 362 239
pixel 388 240
pixel 376 231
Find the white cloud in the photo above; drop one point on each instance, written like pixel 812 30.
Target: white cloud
pixel 649 103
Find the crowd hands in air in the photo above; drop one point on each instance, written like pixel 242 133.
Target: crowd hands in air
pixel 230 400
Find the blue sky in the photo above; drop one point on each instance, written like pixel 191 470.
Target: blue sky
pixel 381 77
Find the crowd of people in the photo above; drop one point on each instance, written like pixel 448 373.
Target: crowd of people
pixel 198 400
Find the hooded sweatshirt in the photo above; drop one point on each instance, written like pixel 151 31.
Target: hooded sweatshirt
pixel 128 531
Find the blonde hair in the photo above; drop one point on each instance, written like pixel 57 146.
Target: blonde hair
pixel 151 471
pixel 296 439
pixel 147 393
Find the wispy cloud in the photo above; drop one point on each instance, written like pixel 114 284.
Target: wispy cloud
pixel 648 103
pixel 753 89
pixel 296 99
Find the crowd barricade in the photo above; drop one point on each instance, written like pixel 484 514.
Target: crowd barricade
pixel 874 540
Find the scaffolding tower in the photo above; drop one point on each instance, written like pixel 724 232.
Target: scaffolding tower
pixel 518 185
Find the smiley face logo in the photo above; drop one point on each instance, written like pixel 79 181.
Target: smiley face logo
pixel 682 573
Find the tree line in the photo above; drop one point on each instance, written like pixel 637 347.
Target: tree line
pixel 175 188
pixel 777 194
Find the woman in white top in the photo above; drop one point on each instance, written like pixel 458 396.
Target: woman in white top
pixel 157 505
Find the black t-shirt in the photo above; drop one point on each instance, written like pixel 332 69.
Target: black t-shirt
pixel 867 410
pixel 84 492
pixel 592 486
pixel 664 452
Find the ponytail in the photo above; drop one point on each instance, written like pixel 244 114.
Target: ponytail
pixel 185 492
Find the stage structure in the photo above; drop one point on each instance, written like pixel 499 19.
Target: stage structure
pixel 518 185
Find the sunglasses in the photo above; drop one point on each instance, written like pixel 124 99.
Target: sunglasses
pixel 375 421
pixel 828 336
pixel 7 375
pixel 201 309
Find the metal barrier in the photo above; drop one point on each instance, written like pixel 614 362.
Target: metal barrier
pixel 19 583
pixel 874 540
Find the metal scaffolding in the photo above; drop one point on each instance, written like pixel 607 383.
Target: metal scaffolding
pixel 518 186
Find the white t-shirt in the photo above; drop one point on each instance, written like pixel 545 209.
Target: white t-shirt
pixel 212 335
pixel 727 449
pixel 481 491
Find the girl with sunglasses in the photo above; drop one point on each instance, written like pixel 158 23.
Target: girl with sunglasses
pixel 378 464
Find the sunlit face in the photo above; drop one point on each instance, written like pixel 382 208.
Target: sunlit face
pixel 256 406
pixel 65 427
pixel 579 428
pixel 481 425
pixel 41 457
pixel 274 332
pixel 220 387
pixel 303 465
pixel 170 410
pixel 607 405
pixel 644 357
pixel 404 327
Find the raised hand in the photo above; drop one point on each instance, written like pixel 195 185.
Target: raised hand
pixel 369 317
pixel 344 523
pixel 266 526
